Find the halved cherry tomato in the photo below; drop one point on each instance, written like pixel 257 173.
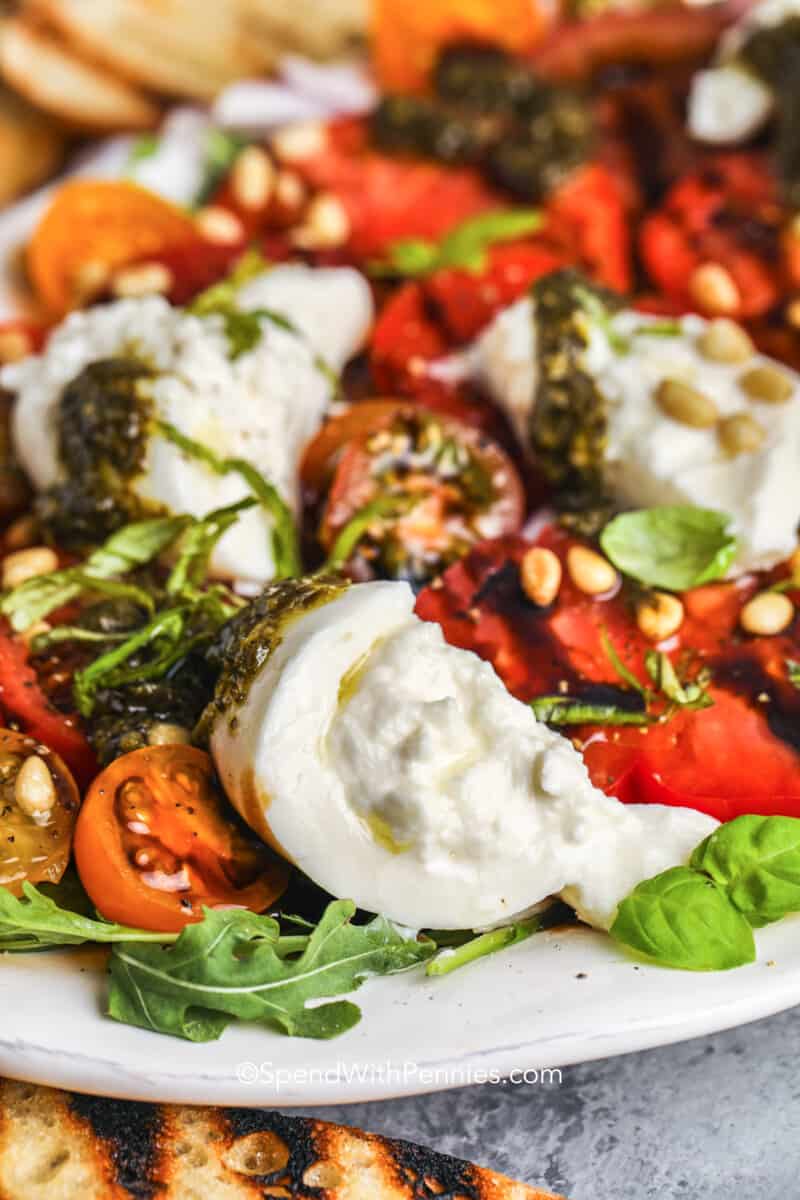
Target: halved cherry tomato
pixel 740 755
pixel 23 700
pixel 99 221
pixel 405 339
pixel 34 845
pixel 461 484
pixel 156 842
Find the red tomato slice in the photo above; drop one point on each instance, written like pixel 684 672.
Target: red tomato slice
pixel 405 339
pixel 22 699
pixel 740 755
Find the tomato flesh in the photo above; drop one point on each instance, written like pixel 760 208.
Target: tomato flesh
pixel 156 842
pixel 740 755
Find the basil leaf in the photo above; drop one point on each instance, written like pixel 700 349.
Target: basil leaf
pixel 128 548
pixel 198 543
pixel 757 861
pixel 675 546
pixel 230 966
pixel 351 534
pixel 464 248
pixel 683 919
pixel 564 710
pixel 35 922
pixel 690 694
pixel 284 537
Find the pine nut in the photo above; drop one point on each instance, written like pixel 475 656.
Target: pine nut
pixel 219 225
pixel 252 178
pixel 766 614
pixel 27 564
pixel 15 344
pixel 725 341
pixel 89 281
pixel 540 575
pixel 290 191
pixel 144 279
pixel 714 289
pixel 326 224
pixel 767 384
pixel 34 790
pixel 22 533
pixel 590 572
pixel 295 143
pixel 686 404
pixel 741 434
pixel 659 616
pixel 165 734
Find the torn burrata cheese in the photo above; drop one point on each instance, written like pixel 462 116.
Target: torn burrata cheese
pixel 397 770
pixel 261 405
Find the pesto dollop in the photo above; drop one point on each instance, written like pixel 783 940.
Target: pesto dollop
pixel 773 53
pixel 103 420
pixel 569 421
pixel 246 642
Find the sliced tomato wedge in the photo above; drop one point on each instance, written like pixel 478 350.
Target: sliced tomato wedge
pixel 726 213
pixel 740 755
pixel 156 842
pixel 23 700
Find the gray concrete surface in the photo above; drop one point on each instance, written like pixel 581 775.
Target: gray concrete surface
pixel 717 1118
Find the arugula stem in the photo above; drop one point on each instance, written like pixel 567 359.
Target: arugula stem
pixel 450 960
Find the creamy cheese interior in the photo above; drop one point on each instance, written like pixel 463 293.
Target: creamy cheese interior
pixel 262 406
pixel 397 770
pixel 652 459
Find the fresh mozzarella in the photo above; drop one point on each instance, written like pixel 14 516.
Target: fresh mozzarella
pixel 729 103
pixel 262 406
pixel 650 458
pixel 396 770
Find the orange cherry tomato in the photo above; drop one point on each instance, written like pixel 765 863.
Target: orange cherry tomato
pixel 100 224
pixel 156 842
pixel 35 835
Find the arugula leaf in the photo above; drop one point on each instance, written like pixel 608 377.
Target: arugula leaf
pixel 35 921
pixel 284 538
pixel 756 860
pixel 689 694
pixel 450 959
pixel 674 546
pixel 464 248
pixel 230 966
pixel 682 918
pixel 566 710
pixel 128 548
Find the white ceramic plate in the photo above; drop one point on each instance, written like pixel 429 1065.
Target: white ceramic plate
pixel 560 998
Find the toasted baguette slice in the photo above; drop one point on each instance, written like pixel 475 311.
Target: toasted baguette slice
pixel 80 94
pixel 31 146
pixel 57 1146
pixel 319 28
pixel 173 46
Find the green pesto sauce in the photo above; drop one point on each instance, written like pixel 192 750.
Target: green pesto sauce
pixel 247 641
pixel 103 422
pixel 773 53
pixel 569 421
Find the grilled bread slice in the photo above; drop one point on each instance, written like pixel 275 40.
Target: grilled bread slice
pixel 318 28
pixel 60 1146
pixel 79 93
pixel 31 146
pixel 175 46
